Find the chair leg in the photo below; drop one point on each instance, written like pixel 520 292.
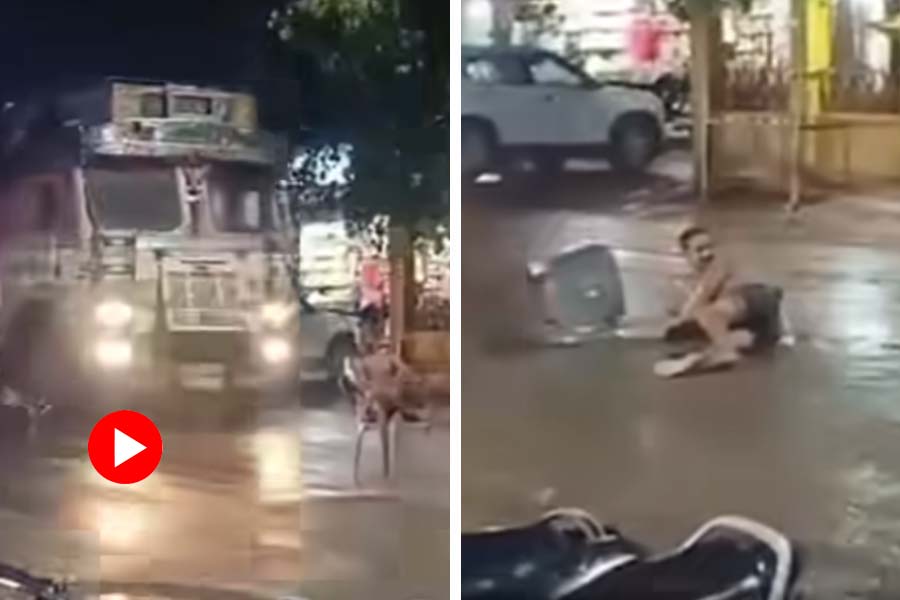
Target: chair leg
pixel 429 417
pixel 395 421
pixel 384 424
pixel 357 451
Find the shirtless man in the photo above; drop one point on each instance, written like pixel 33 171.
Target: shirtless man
pixel 384 388
pixel 377 384
pixel 384 376
pixel 733 315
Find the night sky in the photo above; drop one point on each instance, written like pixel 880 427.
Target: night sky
pixel 43 42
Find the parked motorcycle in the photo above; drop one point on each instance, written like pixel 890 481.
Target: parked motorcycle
pixel 567 555
pixel 19 414
pixel 16 582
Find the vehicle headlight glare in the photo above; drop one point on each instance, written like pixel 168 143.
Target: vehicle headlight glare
pixel 113 313
pixel 275 314
pixel 113 353
pixel 275 350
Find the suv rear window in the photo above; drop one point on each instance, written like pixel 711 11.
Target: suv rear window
pixel 496 70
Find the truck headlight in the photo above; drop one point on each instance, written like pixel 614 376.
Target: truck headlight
pixel 113 353
pixel 113 313
pixel 275 314
pixel 275 350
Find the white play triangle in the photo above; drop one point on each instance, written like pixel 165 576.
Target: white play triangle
pixel 125 447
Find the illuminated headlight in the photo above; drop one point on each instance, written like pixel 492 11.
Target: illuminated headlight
pixel 275 350
pixel 537 270
pixel 109 134
pixel 113 313
pixel 275 314
pixel 316 297
pixel 113 353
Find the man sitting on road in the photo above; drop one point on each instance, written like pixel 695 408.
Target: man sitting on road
pixel 734 316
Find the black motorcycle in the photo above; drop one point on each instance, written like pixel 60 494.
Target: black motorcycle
pixel 567 555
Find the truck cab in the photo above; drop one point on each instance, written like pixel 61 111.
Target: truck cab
pixel 139 219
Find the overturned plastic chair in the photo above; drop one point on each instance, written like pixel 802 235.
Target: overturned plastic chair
pixel 580 289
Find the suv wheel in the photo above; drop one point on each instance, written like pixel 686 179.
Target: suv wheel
pixel 478 147
pixel 635 143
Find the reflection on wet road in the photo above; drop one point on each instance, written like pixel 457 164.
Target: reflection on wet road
pixel 807 440
pixel 265 504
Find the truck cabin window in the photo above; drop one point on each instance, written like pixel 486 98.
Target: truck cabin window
pixel 239 200
pixel 133 197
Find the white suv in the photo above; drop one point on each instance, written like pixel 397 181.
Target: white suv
pixel 525 100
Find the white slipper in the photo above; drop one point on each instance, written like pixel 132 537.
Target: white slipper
pixel 672 367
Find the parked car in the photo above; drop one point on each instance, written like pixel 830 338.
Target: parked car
pixel 523 100
pixel 329 278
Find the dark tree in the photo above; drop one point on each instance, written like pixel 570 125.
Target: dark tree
pixel 375 76
pixel 375 79
pixel 682 8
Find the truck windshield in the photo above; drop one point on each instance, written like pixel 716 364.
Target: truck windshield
pixel 134 197
pixel 239 199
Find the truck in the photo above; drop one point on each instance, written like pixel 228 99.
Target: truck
pixel 140 234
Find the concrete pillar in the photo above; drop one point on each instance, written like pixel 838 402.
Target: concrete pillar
pixel 399 251
pixel 706 79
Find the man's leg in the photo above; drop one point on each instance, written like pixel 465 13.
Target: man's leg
pixel 716 319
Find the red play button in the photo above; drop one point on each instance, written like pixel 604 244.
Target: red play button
pixel 125 446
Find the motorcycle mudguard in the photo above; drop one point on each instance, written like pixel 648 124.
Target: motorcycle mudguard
pixel 541 561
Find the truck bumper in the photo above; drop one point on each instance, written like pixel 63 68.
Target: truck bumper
pixel 138 363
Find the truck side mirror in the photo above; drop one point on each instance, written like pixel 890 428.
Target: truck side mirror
pixel 305 307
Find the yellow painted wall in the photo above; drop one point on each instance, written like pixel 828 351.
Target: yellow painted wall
pixel 847 149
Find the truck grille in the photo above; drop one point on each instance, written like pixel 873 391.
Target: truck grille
pixel 204 300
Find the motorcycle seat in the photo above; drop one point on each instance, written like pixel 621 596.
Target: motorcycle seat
pixel 568 556
pixel 721 560
pixel 543 560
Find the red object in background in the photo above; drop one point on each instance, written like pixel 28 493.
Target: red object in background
pixel 646 39
pixel 372 283
pixel 125 447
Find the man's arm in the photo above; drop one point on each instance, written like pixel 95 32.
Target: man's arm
pixel 362 370
pixel 403 369
pixel 711 284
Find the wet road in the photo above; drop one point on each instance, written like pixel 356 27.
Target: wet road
pixel 807 440
pixel 257 499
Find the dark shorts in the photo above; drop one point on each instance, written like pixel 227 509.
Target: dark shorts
pixel 372 313
pixel 762 316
